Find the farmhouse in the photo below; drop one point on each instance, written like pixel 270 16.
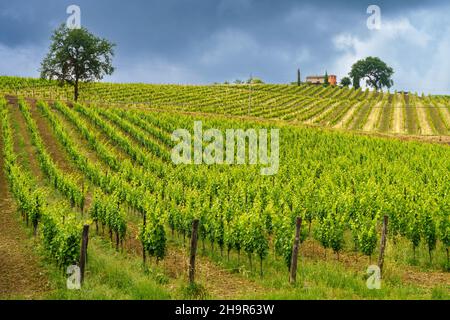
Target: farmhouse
pixel 332 79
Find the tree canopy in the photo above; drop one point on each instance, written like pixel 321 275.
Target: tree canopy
pixel 345 82
pixel 326 81
pixel 77 55
pixel 254 80
pixel 376 73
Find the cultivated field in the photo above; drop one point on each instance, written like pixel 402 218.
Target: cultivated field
pixel 106 161
pixel 384 112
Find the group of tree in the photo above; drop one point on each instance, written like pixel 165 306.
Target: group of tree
pixel 251 80
pixel 372 69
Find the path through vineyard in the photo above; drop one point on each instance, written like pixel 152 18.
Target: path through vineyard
pixel 346 118
pixel 219 282
pixel 374 115
pixel 20 273
pixel 445 115
pixel 398 120
pixel 423 120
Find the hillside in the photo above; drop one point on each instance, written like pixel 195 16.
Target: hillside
pixel 333 107
pixel 111 168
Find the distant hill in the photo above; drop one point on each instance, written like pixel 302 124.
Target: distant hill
pixel 344 108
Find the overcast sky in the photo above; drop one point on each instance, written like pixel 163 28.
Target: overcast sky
pixel 203 41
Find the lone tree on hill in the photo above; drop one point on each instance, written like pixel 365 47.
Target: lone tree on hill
pixel 376 72
pixel 299 79
pixel 77 55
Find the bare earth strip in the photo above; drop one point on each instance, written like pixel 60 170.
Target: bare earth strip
pixel 425 128
pixel 445 115
pixel 21 275
pixel 373 117
pixel 398 119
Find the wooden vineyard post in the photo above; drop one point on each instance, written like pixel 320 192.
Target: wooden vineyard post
pixel 383 244
pixel 194 239
pixel 144 258
pixel 82 205
pixel 83 253
pixel 294 258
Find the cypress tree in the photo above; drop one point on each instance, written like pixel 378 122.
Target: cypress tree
pixel 325 78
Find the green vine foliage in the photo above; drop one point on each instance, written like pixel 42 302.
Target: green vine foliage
pixel 61 233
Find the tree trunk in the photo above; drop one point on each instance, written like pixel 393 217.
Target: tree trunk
pixel 75 95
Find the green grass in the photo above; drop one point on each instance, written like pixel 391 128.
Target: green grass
pixel 110 275
pixel 322 277
pixel 114 275
pixel 331 280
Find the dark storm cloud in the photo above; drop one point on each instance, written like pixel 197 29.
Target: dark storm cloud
pixel 204 40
